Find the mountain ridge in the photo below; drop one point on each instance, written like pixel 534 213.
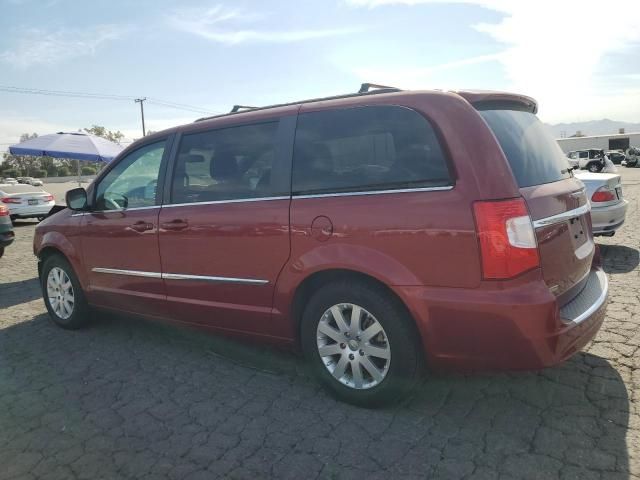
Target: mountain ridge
pixel 592 127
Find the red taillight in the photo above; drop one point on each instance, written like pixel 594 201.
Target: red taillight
pixel 4 211
pixel 603 194
pixel 48 198
pixel 507 240
pixel 11 200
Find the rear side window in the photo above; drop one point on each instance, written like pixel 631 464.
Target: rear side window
pixel 535 157
pixel 366 148
pixel 226 164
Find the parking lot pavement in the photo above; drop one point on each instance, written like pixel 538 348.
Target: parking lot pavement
pixel 127 398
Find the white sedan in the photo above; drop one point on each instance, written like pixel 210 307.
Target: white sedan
pixel 608 206
pixel 26 201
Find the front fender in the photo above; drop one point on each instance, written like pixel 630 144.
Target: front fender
pixel 58 241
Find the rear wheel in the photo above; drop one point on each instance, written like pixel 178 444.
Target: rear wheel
pixel 361 343
pixel 63 295
pixel 594 167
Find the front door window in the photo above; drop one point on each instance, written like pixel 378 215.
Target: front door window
pixel 133 182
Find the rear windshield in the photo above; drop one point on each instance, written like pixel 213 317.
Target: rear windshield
pixel 535 157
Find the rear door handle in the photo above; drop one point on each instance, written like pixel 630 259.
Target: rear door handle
pixel 142 226
pixel 175 225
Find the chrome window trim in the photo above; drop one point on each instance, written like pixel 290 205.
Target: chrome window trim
pixel 375 192
pixel 206 278
pixel 179 276
pixel 126 209
pixel 562 217
pixel 131 273
pixel 234 200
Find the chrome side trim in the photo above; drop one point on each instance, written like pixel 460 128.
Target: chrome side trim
pixel 179 276
pixel 219 202
pixel 562 217
pixel 131 273
pixel 204 278
pixel 374 192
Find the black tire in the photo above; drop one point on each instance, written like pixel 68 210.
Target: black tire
pixel 406 361
pixel 594 167
pixel 80 311
pixel 1 251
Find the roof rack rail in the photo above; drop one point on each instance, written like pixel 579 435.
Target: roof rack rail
pixel 365 89
pixel 238 108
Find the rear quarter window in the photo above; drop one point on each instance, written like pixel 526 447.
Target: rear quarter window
pixel 534 156
pixel 365 149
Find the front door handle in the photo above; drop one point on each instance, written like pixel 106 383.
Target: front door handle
pixel 142 226
pixel 175 225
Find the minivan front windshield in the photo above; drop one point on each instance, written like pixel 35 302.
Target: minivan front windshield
pixel 535 157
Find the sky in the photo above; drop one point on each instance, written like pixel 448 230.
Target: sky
pixel 579 59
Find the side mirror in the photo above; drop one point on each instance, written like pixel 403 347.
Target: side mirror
pixel 76 199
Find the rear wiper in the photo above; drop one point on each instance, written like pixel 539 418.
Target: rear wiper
pixel 569 170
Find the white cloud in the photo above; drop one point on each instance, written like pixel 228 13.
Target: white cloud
pixel 41 47
pixel 553 50
pixel 11 127
pixel 223 25
pixel 420 77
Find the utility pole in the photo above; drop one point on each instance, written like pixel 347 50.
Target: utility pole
pixel 140 101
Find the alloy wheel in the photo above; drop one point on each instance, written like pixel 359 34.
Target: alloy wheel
pixel 353 346
pixel 60 293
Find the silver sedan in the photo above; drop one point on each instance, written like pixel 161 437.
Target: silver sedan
pixel 608 206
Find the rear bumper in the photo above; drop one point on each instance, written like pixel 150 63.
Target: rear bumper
pixel 6 239
pixel 31 211
pixel 517 328
pixel 608 219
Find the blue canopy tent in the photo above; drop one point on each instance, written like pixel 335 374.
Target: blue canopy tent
pixel 73 145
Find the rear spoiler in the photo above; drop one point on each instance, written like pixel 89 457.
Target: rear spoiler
pixel 487 100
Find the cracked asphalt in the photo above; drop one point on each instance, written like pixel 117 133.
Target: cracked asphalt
pixel 127 398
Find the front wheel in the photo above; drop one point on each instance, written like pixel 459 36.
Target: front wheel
pixel 63 295
pixel 361 344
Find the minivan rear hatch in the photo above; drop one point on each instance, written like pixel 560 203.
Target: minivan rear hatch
pixel 557 201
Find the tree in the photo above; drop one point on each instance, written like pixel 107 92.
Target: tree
pixel 101 131
pixel 25 136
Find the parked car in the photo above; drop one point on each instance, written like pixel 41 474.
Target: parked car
pixel 6 229
pixel 608 206
pixel 10 181
pixel 25 201
pixel 354 226
pixel 591 159
pixel 23 180
pixel 633 155
pixel 36 182
pixel 616 156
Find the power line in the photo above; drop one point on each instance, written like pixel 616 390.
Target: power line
pixel 101 96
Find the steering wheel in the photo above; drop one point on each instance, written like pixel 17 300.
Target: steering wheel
pixel 111 204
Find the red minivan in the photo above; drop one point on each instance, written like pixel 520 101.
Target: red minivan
pixel 379 231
